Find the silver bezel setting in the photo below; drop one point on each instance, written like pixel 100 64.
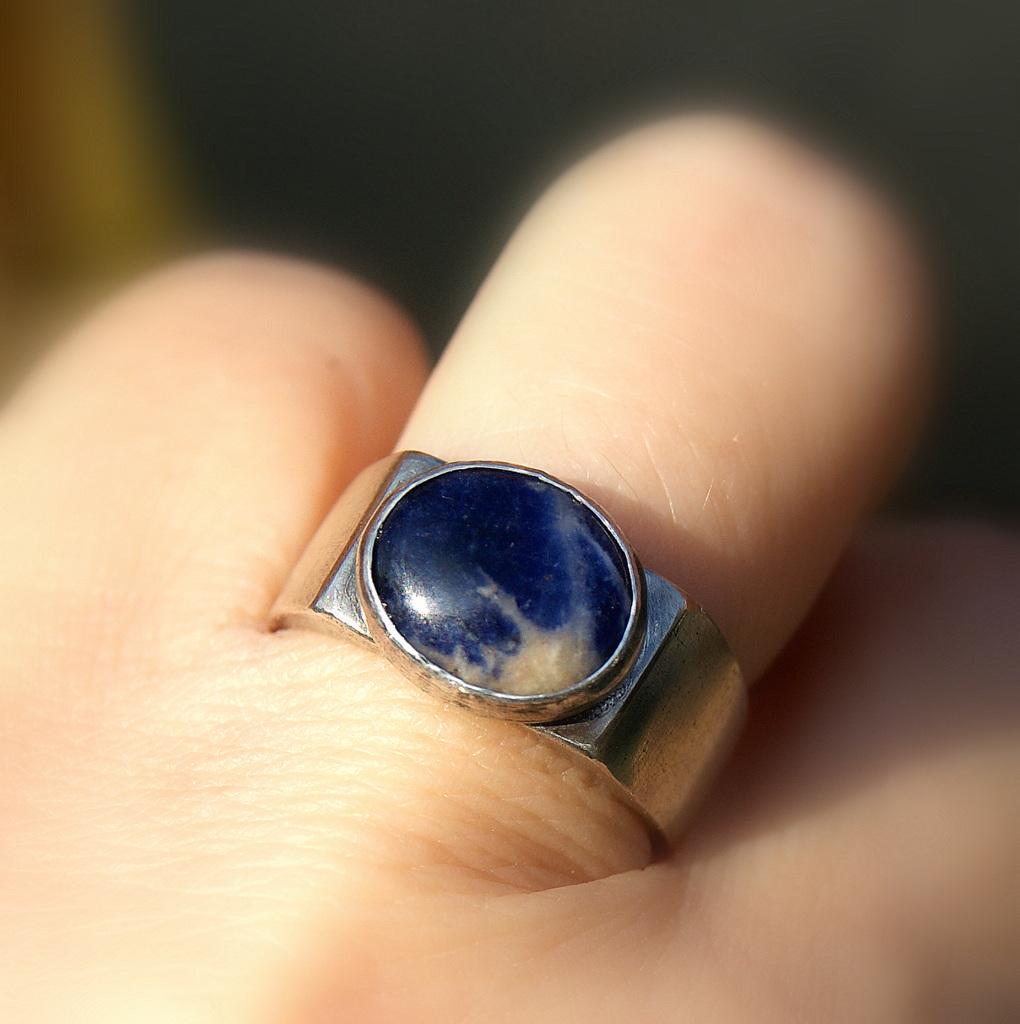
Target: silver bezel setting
pixel 532 708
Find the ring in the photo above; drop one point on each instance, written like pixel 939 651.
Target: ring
pixel 506 591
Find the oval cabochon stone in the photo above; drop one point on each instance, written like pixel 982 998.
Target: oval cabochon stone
pixel 503 579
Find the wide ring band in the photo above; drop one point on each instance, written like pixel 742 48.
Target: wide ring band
pixel 658 704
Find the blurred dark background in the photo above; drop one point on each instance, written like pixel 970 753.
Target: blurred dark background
pixel 405 139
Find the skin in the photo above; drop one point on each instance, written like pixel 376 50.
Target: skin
pixel 723 339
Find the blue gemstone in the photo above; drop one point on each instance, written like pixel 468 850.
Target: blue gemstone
pixel 503 579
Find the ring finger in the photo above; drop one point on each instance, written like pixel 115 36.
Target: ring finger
pixel 717 336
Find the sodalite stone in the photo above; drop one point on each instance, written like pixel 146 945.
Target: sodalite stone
pixel 502 579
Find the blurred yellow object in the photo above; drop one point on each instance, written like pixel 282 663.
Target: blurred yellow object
pixel 87 191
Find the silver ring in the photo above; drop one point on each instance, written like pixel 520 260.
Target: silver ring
pixel 508 592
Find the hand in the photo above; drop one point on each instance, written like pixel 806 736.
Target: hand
pixel 719 337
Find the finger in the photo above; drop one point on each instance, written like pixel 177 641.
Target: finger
pixel 875 774
pixel 166 466
pixel 887 737
pixel 717 337
pixel 714 333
